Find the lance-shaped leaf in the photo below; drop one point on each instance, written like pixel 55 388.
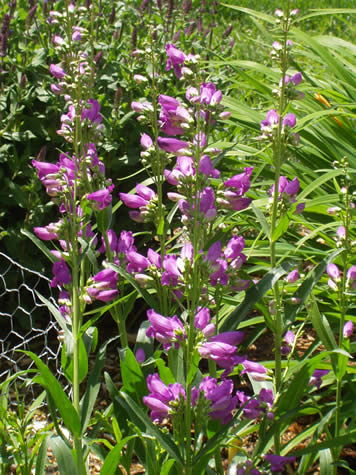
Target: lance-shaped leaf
pixel 254 294
pixel 69 414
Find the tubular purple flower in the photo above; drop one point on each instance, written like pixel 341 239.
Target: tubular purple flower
pixel 297 78
pixel 167 330
pixel 140 355
pixel 278 462
pixel 333 271
pixel 102 197
pixel 154 258
pixel 45 168
pixel 292 187
pixel 255 370
pixel 57 71
pixel 351 273
pixel 146 141
pixel 202 318
pixel 214 252
pixel 56 89
pixel 315 379
pixel 241 181
pixel 44 234
pixel 206 167
pixel 234 247
pixel 289 120
pixel 220 397
pixel 341 232
pixel 348 329
pixel 161 396
pixel 232 338
pixel 171 145
pixel 175 59
pixel 133 201
pixel 292 276
pixel 61 273
pixel 136 262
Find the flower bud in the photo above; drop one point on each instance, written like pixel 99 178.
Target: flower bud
pixel 348 329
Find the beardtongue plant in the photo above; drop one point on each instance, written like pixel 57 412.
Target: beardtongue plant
pixel 190 275
pixel 78 185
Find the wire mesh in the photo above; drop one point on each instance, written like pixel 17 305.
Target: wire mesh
pixel 25 321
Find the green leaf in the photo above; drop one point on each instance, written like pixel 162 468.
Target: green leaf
pixel 113 458
pixel 166 467
pixel 307 286
pixel 93 386
pixel 39 244
pixel 329 444
pixel 42 458
pixel 326 462
pixel 262 16
pixel 69 414
pixel 281 227
pixel 57 315
pixel 63 454
pixel 315 184
pixel 133 380
pixel 151 301
pixel 67 360
pixel 262 220
pixel 322 327
pixel 254 294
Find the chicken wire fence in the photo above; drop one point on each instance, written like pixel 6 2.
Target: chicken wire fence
pixel 26 323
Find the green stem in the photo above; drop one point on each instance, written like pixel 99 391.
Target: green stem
pixel 76 323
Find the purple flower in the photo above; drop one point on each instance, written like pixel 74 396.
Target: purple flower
pixel 278 462
pixel 166 330
pixel 93 112
pixel 57 71
pixel 292 276
pixel 289 120
pixel 171 145
pixel 173 116
pixel 222 349
pixel 207 203
pixel 175 59
pixel 257 407
pixel 206 167
pixel 315 379
pixel 140 355
pixel 173 267
pixel 103 286
pixel 297 78
pixel 333 271
pixel 271 120
pixel 351 273
pixel 341 232
pixel 348 329
pixel 255 370
pixel 288 341
pixel 202 318
pixel 102 197
pixel 220 397
pixel 136 262
pixel 61 273
pixel 234 247
pixel 146 141
pixel 241 182
pixel 160 397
